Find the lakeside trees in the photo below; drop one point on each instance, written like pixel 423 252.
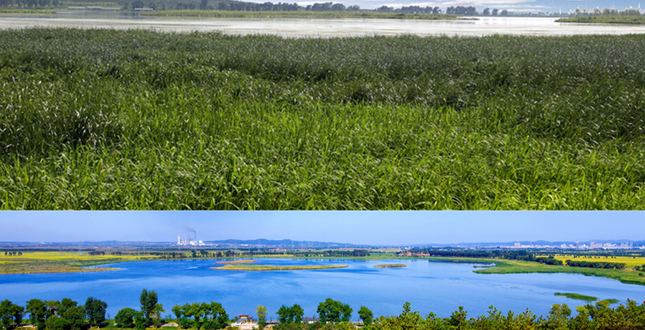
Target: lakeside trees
pixel 334 315
pixel 334 311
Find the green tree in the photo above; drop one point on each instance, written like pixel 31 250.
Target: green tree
pixel 73 314
pixel 157 314
pixel 95 311
pixel 140 321
pixel 333 311
pixel 10 313
pixel 366 315
pixel 56 323
pixel 37 310
pixel 148 300
pixel 125 317
pixel 262 316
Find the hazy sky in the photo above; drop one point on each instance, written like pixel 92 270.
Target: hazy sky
pixel 359 227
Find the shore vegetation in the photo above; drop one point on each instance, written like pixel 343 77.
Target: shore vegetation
pixel 300 14
pixel 391 266
pixel 602 19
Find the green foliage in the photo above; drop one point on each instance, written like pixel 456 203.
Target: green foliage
pixel 262 316
pixel 105 119
pixel 95 311
pixel 333 311
pixel 125 317
pixel 37 310
pixel 148 300
pixel 366 315
pixel 57 323
pixel 10 314
pixel 214 315
pixel 291 314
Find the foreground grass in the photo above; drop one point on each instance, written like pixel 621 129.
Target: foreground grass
pixel 604 19
pixel 104 119
pixel 275 268
pixel 298 14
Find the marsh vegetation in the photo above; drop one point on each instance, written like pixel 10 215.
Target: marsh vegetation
pixel 105 119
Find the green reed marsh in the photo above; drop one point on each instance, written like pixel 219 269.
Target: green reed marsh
pixel 105 119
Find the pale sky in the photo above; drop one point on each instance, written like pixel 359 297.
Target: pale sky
pixel 356 227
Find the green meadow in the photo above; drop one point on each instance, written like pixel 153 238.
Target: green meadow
pixel 107 119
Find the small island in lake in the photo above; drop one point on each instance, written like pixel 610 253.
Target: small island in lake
pixel 576 296
pixel 237 262
pixel 268 268
pixel 391 266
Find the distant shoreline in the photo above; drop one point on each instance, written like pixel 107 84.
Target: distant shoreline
pixel 54 270
pixel 301 14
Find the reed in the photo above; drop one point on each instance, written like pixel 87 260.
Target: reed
pixel 107 119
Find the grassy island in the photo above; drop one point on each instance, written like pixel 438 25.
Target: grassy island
pixel 576 296
pixel 391 266
pixel 299 14
pixel 524 267
pixel 237 262
pixel 271 268
pixel 604 19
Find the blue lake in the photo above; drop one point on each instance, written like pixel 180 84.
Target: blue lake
pixel 439 287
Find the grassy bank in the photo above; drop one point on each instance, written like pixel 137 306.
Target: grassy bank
pixel 25 11
pixel 38 269
pixel 298 14
pixel 105 119
pixel 273 268
pixel 61 262
pixel 520 267
pixel 576 296
pixel 391 266
pixel 604 19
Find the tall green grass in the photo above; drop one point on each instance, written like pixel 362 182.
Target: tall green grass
pixel 105 119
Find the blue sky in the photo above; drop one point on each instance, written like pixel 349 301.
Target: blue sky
pixel 358 227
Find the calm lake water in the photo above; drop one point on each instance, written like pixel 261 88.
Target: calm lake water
pixel 319 27
pixel 437 287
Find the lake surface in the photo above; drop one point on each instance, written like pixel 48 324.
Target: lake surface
pixel 319 27
pixel 438 287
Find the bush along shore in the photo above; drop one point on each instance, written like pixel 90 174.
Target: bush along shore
pixel 106 119
pixel 68 315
